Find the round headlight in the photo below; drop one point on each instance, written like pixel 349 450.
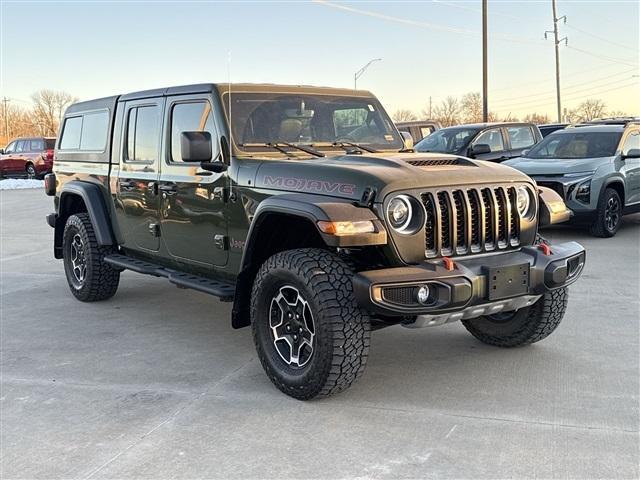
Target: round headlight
pixel 523 200
pixel 399 212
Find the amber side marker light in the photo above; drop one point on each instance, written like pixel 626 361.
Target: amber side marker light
pixel 342 229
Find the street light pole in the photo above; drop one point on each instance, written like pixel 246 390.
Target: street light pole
pixel 359 73
pixel 485 79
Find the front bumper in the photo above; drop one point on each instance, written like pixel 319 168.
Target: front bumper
pixel 472 285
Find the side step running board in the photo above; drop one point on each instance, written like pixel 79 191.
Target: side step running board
pixel 222 290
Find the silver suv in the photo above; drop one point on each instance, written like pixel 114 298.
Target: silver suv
pixel 594 167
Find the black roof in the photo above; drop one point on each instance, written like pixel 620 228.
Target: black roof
pixel 180 90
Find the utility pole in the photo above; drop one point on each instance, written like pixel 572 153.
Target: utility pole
pixel 430 116
pixel 5 100
pixel 557 42
pixel 359 73
pixel 485 79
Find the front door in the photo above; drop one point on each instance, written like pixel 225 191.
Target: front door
pixel 492 137
pixel 631 168
pixel 192 204
pixel 137 185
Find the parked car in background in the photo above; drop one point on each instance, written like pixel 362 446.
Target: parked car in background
pixel 419 129
pixel 612 121
pixel 548 128
pixel 495 142
pixel 595 168
pixel 31 157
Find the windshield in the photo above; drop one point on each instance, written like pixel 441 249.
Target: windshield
pixel 446 140
pixel 576 144
pixel 308 119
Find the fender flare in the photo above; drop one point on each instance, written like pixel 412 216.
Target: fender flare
pixel 93 198
pixel 610 181
pixel 310 208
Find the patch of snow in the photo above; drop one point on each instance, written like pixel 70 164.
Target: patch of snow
pixel 20 183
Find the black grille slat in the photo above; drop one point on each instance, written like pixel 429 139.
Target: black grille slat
pixel 470 221
pixel 445 223
pixel 514 219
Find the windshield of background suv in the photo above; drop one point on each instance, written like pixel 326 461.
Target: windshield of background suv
pixel 309 119
pixel 446 140
pixel 576 144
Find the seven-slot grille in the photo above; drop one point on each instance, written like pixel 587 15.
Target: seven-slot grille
pixel 462 221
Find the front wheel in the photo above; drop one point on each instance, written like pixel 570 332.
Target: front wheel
pixel 31 171
pixel 609 214
pixel 311 337
pixel 522 327
pixel 89 277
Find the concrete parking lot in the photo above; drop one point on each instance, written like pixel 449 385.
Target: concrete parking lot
pixel 155 383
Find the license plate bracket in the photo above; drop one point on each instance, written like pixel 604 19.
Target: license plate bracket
pixel 507 281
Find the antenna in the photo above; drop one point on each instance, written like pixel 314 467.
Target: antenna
pixel 229 101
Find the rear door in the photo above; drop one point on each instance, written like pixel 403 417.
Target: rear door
pixel 193 220
pixel 137 184
pixel 494 138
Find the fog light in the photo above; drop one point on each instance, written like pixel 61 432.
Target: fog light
pixel 423 294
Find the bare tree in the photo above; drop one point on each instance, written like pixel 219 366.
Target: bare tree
pixel 18 122
pixel 588 110
pixel 537 118
pixel 617 113
pixel 471 107
pixel 403 115
pixel 48 108
pixel 448 112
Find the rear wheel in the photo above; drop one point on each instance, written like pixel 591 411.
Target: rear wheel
pixel 89 277
pixel 311 337
pixel 527 325
pixel 609 214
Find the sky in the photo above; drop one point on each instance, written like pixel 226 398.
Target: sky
pixel 429 49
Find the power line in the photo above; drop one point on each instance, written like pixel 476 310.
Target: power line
pixel 603 57
pixel 570 87
pixel 534 103
pixel 602 39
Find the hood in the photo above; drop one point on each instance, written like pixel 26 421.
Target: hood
pixel 348 176
pixel 556 166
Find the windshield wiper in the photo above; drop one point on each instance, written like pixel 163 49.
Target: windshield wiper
pixel 355 145
pixel 308 150
pixel 278 146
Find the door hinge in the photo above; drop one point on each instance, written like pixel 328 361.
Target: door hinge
pixel 225 194
pixel 154 229
pixel 221 242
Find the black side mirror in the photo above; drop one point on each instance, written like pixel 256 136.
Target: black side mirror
pixel 631 153
pixel 195 146
pixel 479 149
pixel 1 151
pixel 216 167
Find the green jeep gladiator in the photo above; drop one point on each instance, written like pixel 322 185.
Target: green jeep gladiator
pixel 303 207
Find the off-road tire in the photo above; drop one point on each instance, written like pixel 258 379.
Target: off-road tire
pixel 527 325
pixel 101 280
pixel 342 329
pixel 599 226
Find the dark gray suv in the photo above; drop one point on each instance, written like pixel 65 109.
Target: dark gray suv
pixel 595 168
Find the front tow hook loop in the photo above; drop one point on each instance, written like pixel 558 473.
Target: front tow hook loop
pixel 448 263
pixel 545 248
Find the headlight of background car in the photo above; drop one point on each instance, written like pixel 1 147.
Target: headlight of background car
pixel 399 213
pixel 523 200
pixel 583 191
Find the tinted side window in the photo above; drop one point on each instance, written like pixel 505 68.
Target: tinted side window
pixel 190 117
pixel 521 137
pixel 632 142
pixel 10 148
pixel 94 131
pixel 20 147
pixel 493 138
pixel 71 133
pixel 37 145
pixel 143 130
